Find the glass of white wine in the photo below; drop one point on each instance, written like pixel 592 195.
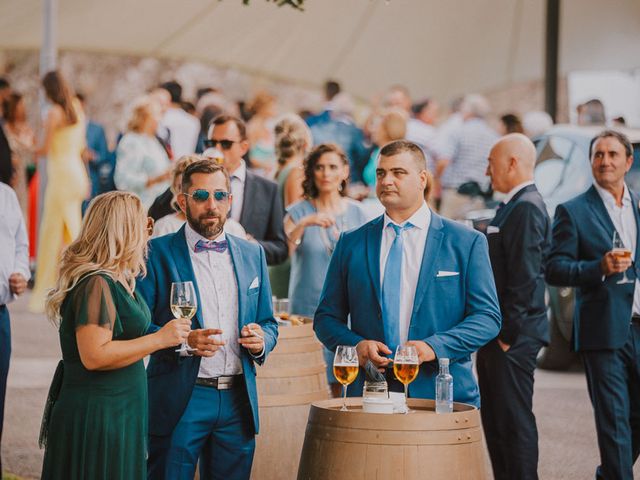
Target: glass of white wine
pixel 405 367
pixel 345 369
pixel 184 304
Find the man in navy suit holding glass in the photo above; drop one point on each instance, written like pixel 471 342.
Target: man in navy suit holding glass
pixel 590 236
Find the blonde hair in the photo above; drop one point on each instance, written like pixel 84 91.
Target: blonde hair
pixel 260 101
pixel 292 137
pixel 112 240
pixel 141 110
pixel 394 125
pixel 178 170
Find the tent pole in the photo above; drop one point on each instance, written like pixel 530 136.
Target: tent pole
pixel 551 58
pixel 48 60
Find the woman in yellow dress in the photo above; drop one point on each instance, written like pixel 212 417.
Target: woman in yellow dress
pixel 67 183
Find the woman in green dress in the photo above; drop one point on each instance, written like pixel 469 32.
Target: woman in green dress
pixel 95 421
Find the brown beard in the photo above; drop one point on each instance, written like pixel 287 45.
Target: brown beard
pixel 207 231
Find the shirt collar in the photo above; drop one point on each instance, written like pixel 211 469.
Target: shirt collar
pixel 193 237
pixel 512 193
pixel 419 219
pixel 608 198
pixel 241 172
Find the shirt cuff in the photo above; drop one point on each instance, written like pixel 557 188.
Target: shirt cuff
pixel 257 356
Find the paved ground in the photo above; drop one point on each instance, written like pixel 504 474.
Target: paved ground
pixel 568 447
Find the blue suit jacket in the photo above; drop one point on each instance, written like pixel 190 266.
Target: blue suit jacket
pixel 582 234
pixel 455 315
pixel 170 377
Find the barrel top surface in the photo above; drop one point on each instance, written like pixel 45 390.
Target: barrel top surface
pixel 297 331
pixel 421 417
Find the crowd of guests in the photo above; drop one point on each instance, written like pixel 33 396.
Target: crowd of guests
pixel 248 202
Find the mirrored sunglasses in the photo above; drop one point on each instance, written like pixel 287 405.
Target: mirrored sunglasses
pixel 203 195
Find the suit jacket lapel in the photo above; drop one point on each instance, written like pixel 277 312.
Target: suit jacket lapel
pixel 374 239
pixel 182 261
pixel 600 210
pixel 429 264
pixel 636 213
pixel 241 283
pixel 247 199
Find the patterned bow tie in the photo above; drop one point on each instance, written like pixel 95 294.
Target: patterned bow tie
pixel 204 245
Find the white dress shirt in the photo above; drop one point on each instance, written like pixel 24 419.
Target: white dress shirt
pixel 512 193
pixel 183 129
pixel 624 221
pixel 414 241
pixel 218 289
pixel 14 254
pixel 238 179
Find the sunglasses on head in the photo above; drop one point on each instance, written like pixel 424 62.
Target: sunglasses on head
pixel 201 195
pixel 224 144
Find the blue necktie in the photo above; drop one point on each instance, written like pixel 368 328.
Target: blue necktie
pixel 391 289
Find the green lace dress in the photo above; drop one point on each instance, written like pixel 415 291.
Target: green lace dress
pixel 96 426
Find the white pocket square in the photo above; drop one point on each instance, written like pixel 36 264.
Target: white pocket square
pixel 254 284
pixel 492 229
pixel 444 273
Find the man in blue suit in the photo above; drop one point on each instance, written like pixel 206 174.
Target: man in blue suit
pixel 410 276
pixel 205 406
pixel 606 327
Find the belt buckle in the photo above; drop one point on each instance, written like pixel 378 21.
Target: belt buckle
pixel 224 383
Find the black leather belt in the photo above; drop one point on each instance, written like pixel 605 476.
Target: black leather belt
pixel 635 318
pixel 221 383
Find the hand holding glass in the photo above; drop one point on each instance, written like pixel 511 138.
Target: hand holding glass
pixel 406 366
pixel 184 304
pixel 345 369
pixel 621 252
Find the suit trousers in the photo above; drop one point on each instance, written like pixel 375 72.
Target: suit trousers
pixel 215 428
pixel 506 392
pixel 613 378
pixel 5 354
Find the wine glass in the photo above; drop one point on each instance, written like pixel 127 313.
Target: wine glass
pixel 621 252
pixel 405 367
pixel 345 369
pixel 184 304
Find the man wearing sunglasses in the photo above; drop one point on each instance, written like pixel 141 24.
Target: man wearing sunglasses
pixel 256 205
pixel 204 405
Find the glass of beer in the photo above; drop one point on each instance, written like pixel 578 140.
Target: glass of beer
pixel 621 252
pixel 184 304
pixel 406 366
pixel 345 369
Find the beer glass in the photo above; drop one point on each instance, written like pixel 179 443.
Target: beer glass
pixel 406 366
pixel 345 369
pixel 620 252
pixel 184 304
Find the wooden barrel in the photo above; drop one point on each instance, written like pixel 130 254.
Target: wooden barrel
pixel 355 445
pixel 293 376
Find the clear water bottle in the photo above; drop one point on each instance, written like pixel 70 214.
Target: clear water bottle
pixel 444 388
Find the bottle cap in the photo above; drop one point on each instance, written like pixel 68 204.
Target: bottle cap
pixel 443 361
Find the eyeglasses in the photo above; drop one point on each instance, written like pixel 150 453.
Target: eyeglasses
pixel 224 144
pixel 202 195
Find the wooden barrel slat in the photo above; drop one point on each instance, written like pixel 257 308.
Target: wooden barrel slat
pixel 293 376
pixel 293 372
pixel 355 445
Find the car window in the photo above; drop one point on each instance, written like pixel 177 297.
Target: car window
pixel 562 170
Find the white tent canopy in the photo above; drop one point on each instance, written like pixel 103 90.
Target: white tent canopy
pixel 439 47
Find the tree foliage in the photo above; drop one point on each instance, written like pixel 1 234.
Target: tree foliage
pixel 296 4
